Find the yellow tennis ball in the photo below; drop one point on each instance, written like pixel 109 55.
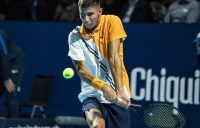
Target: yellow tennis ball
pixel 68 73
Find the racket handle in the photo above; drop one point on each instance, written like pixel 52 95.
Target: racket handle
pixel 135 105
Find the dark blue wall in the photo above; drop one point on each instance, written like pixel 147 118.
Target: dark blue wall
pixel 148 47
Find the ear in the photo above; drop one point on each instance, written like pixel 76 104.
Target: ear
pixel 100 11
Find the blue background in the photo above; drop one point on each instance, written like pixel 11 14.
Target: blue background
pixel 150 46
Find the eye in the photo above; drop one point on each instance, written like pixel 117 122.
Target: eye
pixel 90 14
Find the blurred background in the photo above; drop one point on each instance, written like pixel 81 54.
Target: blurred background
pixel 130 11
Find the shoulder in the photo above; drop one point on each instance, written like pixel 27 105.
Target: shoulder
pixel 111 18
pixel 74 35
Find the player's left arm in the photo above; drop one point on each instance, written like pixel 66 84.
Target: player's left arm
pixel 116 68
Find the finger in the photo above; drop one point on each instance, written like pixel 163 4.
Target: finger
pixel 9 90
pixel 126 100
pixel 12 89
pixel 121 102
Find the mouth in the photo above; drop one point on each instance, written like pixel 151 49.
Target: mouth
pixel 89 25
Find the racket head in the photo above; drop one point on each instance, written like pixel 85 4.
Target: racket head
pixel 162 116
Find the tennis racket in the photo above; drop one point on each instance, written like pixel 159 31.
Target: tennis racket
pixel 160 115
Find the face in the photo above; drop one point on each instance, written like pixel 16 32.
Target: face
pixel 90 16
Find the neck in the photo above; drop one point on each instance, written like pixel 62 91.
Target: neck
pixel 92 29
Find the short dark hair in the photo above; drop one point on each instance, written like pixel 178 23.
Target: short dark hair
pixel 88 3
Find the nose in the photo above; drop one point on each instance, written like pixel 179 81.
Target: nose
pixel 87 19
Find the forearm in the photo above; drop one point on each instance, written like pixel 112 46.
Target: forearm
pixel 83 73
pixel 85 76
pixel 116 69
pixel 89 78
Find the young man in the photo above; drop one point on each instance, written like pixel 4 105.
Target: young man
pixel 96 49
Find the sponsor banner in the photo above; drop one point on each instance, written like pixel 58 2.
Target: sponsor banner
pixel 163 87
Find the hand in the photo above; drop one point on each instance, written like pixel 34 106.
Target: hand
pixel 10 86
pixel 109 93
pixel 122 100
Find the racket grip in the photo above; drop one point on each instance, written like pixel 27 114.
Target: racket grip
pixel 117 102
pixel 135 105
pixel 131 105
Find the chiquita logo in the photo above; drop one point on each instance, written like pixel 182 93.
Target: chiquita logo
pixel 165 88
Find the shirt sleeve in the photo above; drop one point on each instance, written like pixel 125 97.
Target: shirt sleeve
pixel 116 30
pixel 75 49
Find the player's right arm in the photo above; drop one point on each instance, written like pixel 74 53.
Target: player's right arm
pixel 87 77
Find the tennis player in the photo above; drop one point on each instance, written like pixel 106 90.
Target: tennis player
pixel 96 50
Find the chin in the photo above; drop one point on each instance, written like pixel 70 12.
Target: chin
pixel 89 27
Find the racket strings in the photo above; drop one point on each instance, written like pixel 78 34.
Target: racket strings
pixel 163 117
